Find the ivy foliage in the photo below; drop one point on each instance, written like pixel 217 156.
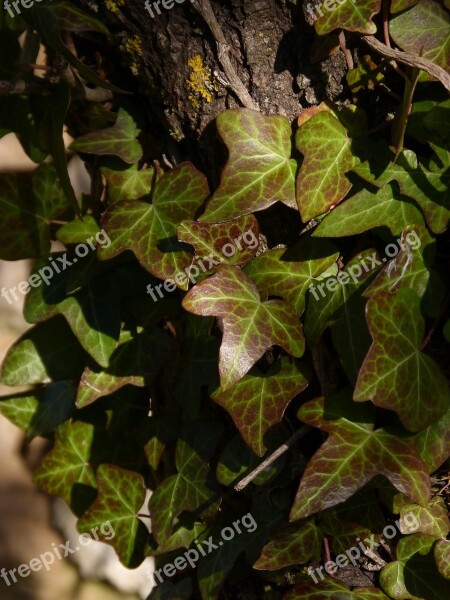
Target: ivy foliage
pixel 302 299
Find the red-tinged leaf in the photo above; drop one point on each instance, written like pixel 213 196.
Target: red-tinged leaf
pixel 321 182
pixel 431 519
pixel 258 401
pixel 259 171
pixel 289 273
pixel 352 455
pixel 149 230
pixel 395 374
pixel 352 15
pixel 250 326
pixel 232 242
pixel 321 589
pixel 293 545
pixel 121 495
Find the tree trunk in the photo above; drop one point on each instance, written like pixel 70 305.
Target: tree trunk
pixel 182 65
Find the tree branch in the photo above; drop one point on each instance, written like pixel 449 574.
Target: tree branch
pixel 271 459
pixel 410 60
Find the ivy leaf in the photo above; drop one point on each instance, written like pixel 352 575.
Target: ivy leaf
pixel 257 402
pixel 93 313
pixel 395 374
pixel 225 242
pixel 149 230
pixel 121 495
pixel 250 326
pixel 327 301
pixel 129 183
pixel 293 545
pixel 321 182
pixel 414 576
pixel 193 487
pixel 424 30
pixel 259 171
pixel 332 589
pixel 167 590
pixel 348 15
pixel 119 140
pixel 289 273
pixel 78 231
pixel 71 18
pixel 27 205
pixel 428 189
pixel 352 455
pixel 135 361
pixel 442 557
pixel 47 352
pixel 42 411
pixel 433 443
pixel 366 210
pixel 432 519
pixel 66 470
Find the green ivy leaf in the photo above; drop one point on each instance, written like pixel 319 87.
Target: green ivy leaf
pixel 414 576
pixel 250 326
pixel 72 18
pixel 93 313
pixel 332 589
pixel 442 557
pixel 172 591
pixel 424 30
pixel 224 242
pixel 119 140
pixel 121 495
pixel 259 171
pixel 352 455
pixel 257 402
pixel 47 352
pixel 27 205
pixel 135 361
pixel 66 471
pixel 78 231
pixel 149 230
pixel 395 374
pixel 129 183
pixel 428 189
pixel 433 443
pixel 293 545
pixel 193 487
pixel 432 519
pixel 321 182
pixel 366 210
pixel 289 273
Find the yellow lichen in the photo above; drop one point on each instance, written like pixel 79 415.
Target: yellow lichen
pixel 113 5
pixel 200 81
pixel 133 47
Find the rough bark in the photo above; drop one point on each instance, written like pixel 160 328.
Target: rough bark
pixel 269 46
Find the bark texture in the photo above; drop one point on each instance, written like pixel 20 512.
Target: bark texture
pixel 180 66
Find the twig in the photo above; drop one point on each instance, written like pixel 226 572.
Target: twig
pixel 409 59
pixel 345 50
pixel 203 7
pixel 271 459
pixel 326 547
